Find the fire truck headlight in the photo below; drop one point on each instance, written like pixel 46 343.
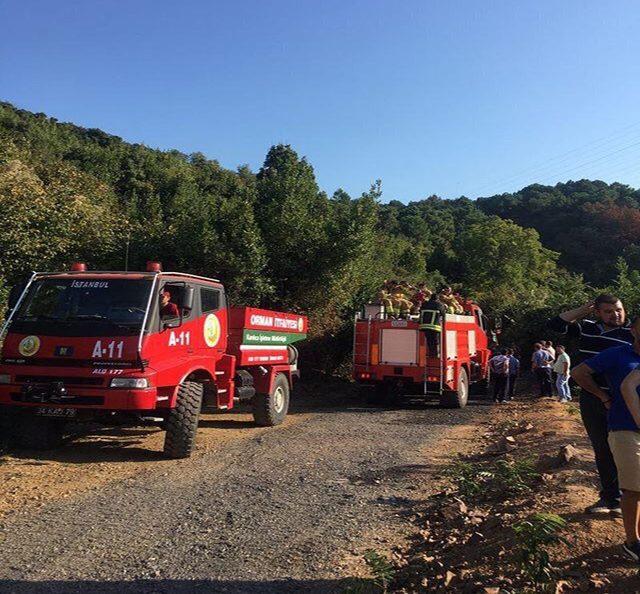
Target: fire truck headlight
pixel 5 378
pixel 137 383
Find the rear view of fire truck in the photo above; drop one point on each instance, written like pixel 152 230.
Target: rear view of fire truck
pixel 435 357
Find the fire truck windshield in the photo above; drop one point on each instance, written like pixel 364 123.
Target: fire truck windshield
pixel 83 307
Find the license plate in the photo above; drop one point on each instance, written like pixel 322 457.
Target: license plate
pixel 52 411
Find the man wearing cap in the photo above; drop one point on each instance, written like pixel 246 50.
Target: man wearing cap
pixel 168 309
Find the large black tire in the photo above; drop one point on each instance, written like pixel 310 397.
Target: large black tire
pixel 38 433
pixel 182 422
pixel 271 409
pixel 457 398
pixel 7 436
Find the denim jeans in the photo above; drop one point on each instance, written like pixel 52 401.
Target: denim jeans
pixel 562 385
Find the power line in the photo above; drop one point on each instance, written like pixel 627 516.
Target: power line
pixel 562 157
pixel 599 158
pixel 635 165
pixel 596 160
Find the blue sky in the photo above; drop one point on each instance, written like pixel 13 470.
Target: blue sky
pixel 449 98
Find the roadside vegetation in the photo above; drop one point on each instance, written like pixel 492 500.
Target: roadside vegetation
pixel 506 517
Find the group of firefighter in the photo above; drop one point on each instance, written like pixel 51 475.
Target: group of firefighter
pixel 402 300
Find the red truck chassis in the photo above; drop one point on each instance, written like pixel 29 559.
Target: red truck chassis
pixel 85 344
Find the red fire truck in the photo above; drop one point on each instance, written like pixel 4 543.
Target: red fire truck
pixel 153 347
pixel 392 358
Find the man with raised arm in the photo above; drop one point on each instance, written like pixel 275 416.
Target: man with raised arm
pixel 609 329
pixel 618 365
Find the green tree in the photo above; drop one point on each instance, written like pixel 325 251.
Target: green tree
pixel 292 215
pixel 627 286
pixel 504 266
pixel 53 215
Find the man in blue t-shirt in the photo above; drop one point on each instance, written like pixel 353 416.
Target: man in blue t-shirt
pixel 615 364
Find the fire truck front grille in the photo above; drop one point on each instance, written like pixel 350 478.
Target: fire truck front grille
pixel 79 400
pixel 67 380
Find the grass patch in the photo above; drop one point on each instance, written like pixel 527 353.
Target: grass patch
pixel 573 409
pixel 382 573
pixel 487 480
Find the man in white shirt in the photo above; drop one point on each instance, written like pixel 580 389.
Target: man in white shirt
pixel 561 367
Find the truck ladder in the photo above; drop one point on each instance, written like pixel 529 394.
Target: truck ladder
pixel 367 352
pixel 439 368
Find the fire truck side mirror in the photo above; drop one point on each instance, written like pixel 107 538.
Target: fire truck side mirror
pixel 187 298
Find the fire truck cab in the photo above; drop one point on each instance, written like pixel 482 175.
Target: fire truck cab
pixel 392 357
pixel 154 347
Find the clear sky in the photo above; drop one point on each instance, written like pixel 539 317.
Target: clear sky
pixel 439 97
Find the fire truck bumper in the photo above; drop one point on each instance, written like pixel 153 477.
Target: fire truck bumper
pixel 16 395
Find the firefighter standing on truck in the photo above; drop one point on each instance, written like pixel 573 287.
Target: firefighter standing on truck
pixel 432 315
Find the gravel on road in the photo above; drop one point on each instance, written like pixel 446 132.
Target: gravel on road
pixel 274 511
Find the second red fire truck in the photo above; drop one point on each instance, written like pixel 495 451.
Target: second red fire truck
pixel 392 356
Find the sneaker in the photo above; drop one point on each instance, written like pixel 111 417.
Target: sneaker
pixel 632 551
pixel 601 507
pixel 615 510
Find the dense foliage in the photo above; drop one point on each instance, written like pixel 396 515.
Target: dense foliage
pixel 590 223
pixel 275 239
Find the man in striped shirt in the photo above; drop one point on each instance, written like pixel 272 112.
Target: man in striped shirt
pixel 609 329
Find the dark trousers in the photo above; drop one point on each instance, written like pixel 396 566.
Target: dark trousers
pixel 594 418
pixel 500 387
pixel 512 386
pixel 433 342
pixel 543 375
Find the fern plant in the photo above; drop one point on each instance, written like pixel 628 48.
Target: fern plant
pixel 534 536
pixel 381 570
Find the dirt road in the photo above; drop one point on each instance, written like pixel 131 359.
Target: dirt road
pixel 285 509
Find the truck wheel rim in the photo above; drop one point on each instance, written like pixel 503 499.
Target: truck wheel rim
pixel 278 399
